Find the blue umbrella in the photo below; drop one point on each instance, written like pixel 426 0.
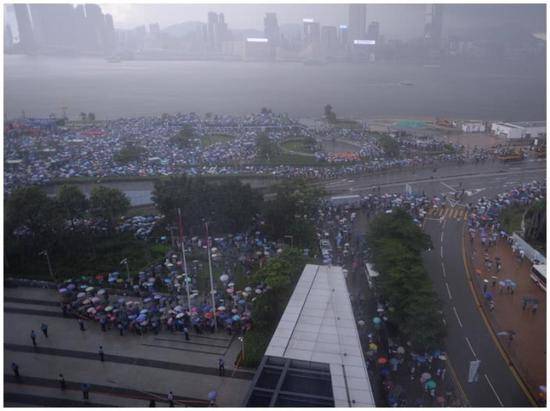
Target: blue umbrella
pixel 228 320
pixel 385 371
pixel 376 320
pixel 488 296
pixel 242 302
pixel 236 317
pixel 421 359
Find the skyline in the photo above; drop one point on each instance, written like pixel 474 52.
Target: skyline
pixel 250 16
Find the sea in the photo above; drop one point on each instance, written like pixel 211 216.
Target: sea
pixel 40 86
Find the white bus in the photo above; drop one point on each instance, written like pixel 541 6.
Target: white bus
pixel 538 275
pixel 371 274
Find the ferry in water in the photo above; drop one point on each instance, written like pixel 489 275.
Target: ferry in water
pixel 406 83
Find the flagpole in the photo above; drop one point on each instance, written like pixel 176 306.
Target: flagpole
pixel 211 279
pixel 180 223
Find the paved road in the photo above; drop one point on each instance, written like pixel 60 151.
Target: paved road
pixel 485 179
pixel 468 336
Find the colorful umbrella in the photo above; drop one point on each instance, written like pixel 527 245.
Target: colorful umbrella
pixel 382 360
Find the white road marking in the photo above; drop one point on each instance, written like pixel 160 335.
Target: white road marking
pixel 448 290
pixel 471 348
pixel 441 252
pixel 443 270
pixel 448 186
pixel 457 317
pixel 442 237
pixel 494 391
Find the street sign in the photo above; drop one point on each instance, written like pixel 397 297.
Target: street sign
pixel 473 375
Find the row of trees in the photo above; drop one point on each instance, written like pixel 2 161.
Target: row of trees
pixel 395 247
pixel 36 222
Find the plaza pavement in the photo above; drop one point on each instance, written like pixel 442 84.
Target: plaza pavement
pixel 136 368
pixel 527 351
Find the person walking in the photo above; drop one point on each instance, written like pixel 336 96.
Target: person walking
pixel 186 332
pixel 535 308
pixel 85 391
pixel 221 366
pixel 120 329
pixel 525 302
pixel 44 328
pixel 152 403
pixel 81 324
pixel 62 382
pixel 171 399
pixel 33 338
pixel 15 369
pixel 101 354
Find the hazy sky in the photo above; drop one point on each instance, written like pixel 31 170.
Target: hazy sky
pixel 396 20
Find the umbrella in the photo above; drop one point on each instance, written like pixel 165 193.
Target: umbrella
pixel 400 350
pixel 144 311
pixel 212 395
pixel 234 311
pixel 488 295
pixel 230 290
pixel 101 292
pixel 394 361
pixel 108 308
pixel 502 283
pixel 385 371
pixel 361 322
pixel 180 315
pixel 431 384
pixel 258 291
pixel 81 295
pixel 236 317
pixel 221 308
pixel 373 346
pixel 71 286
pixel 242 302
pixel 478 271
pixel 425 376
pixel 91 310
pixel 232 284
pixel 179 308
pixel 376 320
pixel 147 300
pixel 208 315
pixel 382 360
pixel 421 358
pixel 86 301
pixel 224 278
pixel 89 289
pixel 245 294
pixel 63 290
pixel 248 289
pixel 443 357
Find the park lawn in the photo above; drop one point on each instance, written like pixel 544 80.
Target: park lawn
pixel 297 145
pixel 215 138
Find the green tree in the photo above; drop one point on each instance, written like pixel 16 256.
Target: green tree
pixel 108 204
pixel 184 137
pixel 389 145
pixel 71 202
pixel 535 222
pixel 129 153
pixel 329 114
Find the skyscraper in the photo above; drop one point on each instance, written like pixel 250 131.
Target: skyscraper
pixel 329 37
pixel 54 25
pixel 24 27
pixel 434 25
pixel 95 22
pixel 343 35
pixel 374 31
pixel 110 36
pixel 211 26
pixel 357 23
pixel 271 29
pixel 312 32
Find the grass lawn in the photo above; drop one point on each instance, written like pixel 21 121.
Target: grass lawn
pixel 215 138
pixel 297 145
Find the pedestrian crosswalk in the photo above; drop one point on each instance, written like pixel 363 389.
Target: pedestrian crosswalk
pixel 449 213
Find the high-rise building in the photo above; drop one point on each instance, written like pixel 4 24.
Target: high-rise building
pixel 24 28
pixel 357 23
pixel 271 29
pixel 96 27
pixel 110 36
pixel 343 34
pixel 211 26
pixel 81 33
pixel 154 29
pixel 312 32
pixel 434 25
pixel 54 25
pixel 373 32
pixel 329 38
pixel 8 37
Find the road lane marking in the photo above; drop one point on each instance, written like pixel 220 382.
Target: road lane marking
pixel 448 290
pixel 441 252
pixel 457 317
pixel 494 391
pixel 448 186
pixel 471 348
pixel 443 269
pixel 442 237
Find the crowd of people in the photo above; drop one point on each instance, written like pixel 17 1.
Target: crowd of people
pixel 39 152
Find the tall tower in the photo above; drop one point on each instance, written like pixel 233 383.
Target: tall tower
pixel 271 29
pixel 434 25
pixel 24 27
pixel 357 23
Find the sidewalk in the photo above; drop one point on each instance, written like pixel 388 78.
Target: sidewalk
pixel 527 350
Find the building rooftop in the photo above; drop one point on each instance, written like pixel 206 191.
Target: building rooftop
pixel 318 329
pixel 524 124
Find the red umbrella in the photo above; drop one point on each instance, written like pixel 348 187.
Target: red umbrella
pixel 208 315
pixel 382 360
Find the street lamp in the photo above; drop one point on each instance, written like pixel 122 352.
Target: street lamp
pixel 241 339
pixel 44 252
pixel 125 261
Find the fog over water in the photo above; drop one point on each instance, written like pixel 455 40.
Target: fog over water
pixel 42 85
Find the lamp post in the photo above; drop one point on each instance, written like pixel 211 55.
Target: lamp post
pixel 45 252
pixel 125 261
pixel 182 243
pixel 241 339
pixel 211 278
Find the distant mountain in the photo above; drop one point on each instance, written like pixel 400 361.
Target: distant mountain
pixel 183 29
